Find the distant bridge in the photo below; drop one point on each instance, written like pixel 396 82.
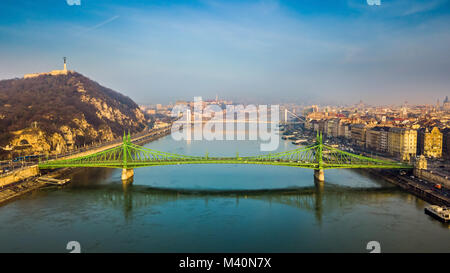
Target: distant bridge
pixel 235 121
pixel 286 121
pixel 129 156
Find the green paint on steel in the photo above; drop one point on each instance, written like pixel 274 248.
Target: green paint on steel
pixel 319 155
pixel 130 156
pixel 125 152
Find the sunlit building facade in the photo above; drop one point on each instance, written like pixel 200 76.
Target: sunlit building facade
pixel 402 143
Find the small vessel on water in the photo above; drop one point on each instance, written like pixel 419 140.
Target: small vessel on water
pixel 287 137
pixel 299 141
pixel 440 213
pixel 54 181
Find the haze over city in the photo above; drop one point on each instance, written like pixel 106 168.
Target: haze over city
pixel 261 51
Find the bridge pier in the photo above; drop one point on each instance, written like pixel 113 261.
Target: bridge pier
pixel 127 174
pixel 319 175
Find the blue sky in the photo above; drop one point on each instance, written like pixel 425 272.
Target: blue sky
pixel 304 51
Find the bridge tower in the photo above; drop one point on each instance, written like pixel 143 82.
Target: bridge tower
pixel 319 174
pixel 127 173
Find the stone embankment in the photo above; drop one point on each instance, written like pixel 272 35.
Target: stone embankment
pixel 420 188
pixel 29 184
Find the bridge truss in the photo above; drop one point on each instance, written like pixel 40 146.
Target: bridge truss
pixel 318 157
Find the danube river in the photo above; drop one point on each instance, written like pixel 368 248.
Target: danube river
pixel 220 208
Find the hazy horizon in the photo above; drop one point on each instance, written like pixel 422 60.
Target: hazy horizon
pixel 327 52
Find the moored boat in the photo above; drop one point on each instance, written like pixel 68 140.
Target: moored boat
pixel 440 213
pixel 287 137
pixel 299 141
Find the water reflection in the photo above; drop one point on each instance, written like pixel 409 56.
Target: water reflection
pixel 320 198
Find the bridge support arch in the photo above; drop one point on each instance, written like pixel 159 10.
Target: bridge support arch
pixel 127 174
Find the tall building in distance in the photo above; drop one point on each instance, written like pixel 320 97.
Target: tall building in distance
pixel 446 104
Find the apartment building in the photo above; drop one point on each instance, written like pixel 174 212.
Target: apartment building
pixel 358 134
pixel 402 143
pixel 331 127
pixel 430 143
pixel 377 139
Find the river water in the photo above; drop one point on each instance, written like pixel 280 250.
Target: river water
pixel 220 208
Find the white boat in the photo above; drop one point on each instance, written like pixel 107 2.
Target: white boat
pixel 287 136
pixel 440 213
pixel 298 141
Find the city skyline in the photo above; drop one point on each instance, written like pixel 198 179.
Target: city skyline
pixel 278 51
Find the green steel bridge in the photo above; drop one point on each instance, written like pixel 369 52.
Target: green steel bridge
pixel 129 156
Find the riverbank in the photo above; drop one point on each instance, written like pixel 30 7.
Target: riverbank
pixel 27 181
pixel 28 185
pixel 419 188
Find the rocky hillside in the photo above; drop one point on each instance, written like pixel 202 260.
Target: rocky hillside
pixel 56 113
